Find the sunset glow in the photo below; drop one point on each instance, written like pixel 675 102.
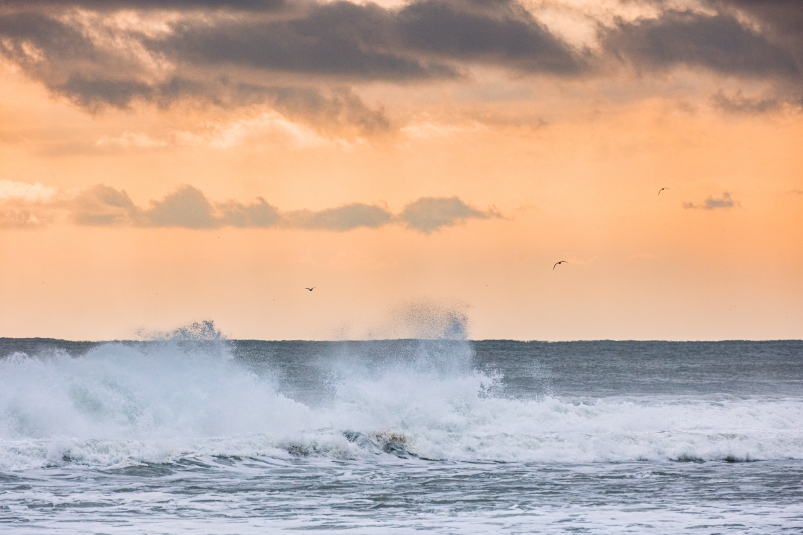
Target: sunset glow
pixel 166 162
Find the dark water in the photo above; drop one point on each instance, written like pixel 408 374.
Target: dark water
pixel 193 436
pixel 571 369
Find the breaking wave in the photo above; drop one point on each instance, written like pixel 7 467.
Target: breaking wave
pixel 123 404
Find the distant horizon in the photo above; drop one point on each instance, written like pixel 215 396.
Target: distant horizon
pixel 456 340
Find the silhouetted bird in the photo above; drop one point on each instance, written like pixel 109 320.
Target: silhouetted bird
pixel 310 289
pixel 660 190
pixel 559 263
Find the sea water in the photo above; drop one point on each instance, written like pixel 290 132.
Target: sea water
pixel 188 435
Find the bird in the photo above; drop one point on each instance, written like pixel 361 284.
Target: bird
pixel 559 263
pixel 310 289
pixel 660 190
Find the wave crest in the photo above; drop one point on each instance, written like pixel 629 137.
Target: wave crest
pixel 123 404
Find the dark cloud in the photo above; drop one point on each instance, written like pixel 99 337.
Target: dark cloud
pixel 339 106
pixel 715 42
pixel 114 5
pixel 742 104
pixel 235 59
pixel 47 48
pixel 188 207
pixel 91 92
pixel 714 203
pixel 782 22
pixel 492 32
pixel 781 19
pixel 339 40
pixel 422 40
pixel 428 214
pixel 302 56
pixel 70 63
pixel 58 39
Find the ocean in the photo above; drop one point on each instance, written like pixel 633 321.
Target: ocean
pixel 185 435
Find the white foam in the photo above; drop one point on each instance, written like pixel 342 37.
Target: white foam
pixel 119 405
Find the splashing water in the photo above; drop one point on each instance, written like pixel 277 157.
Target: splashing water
pixel 160 401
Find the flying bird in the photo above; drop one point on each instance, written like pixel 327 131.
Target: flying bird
pixel 310 289
pixel 660 190
pixel 559 263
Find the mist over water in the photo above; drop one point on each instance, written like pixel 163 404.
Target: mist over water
pixel 219 411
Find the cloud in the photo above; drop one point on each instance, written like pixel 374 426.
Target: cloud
pixel 102 205
pixel 421 40
pixel 131 139
pixel 257 214
pixel 428 214
pixel 782 20
pixel 433 130
pixel 346 217
pixel 736 39
pixel 268 127
pixel 96 63
pixel 257 131
pixel 501 33
pixel 338 39
pixel 741 104
pixel 24 205
pixel 188 207
pixel 717 42
pixel 713 203
pixel 20 218
pixel 227 58
pixel 336 106
pixel 24 192
pixel 115 5
pixel 303 58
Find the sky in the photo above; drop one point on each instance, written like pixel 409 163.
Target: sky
pixel 422 164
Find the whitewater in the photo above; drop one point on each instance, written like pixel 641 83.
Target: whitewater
pixel 199 435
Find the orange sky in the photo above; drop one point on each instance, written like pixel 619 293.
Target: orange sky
pixel 460 193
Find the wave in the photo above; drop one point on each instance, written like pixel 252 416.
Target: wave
pixel 123 404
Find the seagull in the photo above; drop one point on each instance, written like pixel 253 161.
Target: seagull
pixel 559 263
pixel 310 289
pixel 660 190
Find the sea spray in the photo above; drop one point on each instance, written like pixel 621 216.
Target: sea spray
pixel 163 401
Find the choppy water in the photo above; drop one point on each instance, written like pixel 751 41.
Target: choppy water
pixel 189 436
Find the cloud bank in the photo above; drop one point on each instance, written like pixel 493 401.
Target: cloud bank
pixel 31 206
pixel 304 58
